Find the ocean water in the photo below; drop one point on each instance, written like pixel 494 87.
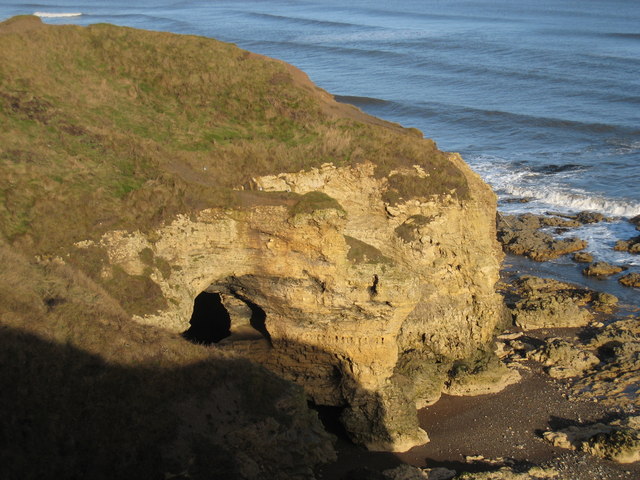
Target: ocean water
pixel 541 97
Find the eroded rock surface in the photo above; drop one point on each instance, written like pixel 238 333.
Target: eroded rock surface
pixel 630 280
pixel 632 245
pixel 602 269
pixel 341 286
pixel 408 472
pixel 541 303
pixel 509 473
pixel 617 381
pixel 564 359
pixel 582 257
pixel 618 441
pixel 523 235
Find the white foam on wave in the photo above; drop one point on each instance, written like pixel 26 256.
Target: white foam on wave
pixel 574 200
pixel 378 35
pixel 546 192
pixel 602 237
pixel 57 15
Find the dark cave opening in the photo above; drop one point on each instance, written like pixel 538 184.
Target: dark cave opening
pixel 210 321
pixel 329 416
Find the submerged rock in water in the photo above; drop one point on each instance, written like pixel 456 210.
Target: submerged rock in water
pixel 521 235
pixel 618 441
pixel 630 280
pixel 632 245
pixel 584 217
pixel 602 269
pixel 582 257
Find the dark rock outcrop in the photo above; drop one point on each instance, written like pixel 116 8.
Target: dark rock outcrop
pixel 523 235
pixel 602 269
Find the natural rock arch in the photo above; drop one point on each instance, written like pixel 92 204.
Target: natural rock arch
pixel 225 316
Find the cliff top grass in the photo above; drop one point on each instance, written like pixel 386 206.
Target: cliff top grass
pixel 106 127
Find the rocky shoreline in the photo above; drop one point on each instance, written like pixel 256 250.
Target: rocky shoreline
pixel 576 351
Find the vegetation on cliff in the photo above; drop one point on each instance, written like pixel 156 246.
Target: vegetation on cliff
pixel 106 127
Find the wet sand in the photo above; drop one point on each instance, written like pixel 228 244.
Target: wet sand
pixel 509 424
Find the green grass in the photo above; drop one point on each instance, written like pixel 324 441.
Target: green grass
pixel 313 201
pixel 119 113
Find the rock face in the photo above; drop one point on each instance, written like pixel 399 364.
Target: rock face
pixel 339 286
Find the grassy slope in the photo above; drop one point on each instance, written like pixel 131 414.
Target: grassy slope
pixel 106 127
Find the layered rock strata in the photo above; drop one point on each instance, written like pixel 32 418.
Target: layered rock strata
pixel 335 289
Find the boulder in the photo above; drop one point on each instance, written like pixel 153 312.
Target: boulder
pixel 601 269
pixel 582 257
pixel 564 359
pixel 409 472
pixel 543 303
pixel 630 280
pixel 618 441
pixel 616 380
pixel 632 245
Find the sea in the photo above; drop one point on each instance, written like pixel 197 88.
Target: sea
pixel 541 97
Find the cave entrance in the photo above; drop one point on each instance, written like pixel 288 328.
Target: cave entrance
pixel 229 317
pixel 210 321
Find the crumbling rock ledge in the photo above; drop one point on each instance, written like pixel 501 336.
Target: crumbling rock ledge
pixel 618 441
pixel 348 287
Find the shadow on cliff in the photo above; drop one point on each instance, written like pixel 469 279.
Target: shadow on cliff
pixel 347 410
pixel 69 414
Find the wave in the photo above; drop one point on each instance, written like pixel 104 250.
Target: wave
pixel 307 47
pixel 576 201
pixel 518 181
pixel 500 118
pixel 56 15
pixel 634 36
pixel 303 21
pixel 624 146
pixel 360 101
pixel 553 168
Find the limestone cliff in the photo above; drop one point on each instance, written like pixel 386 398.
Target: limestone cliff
pixel 348 254
pixel 350 287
